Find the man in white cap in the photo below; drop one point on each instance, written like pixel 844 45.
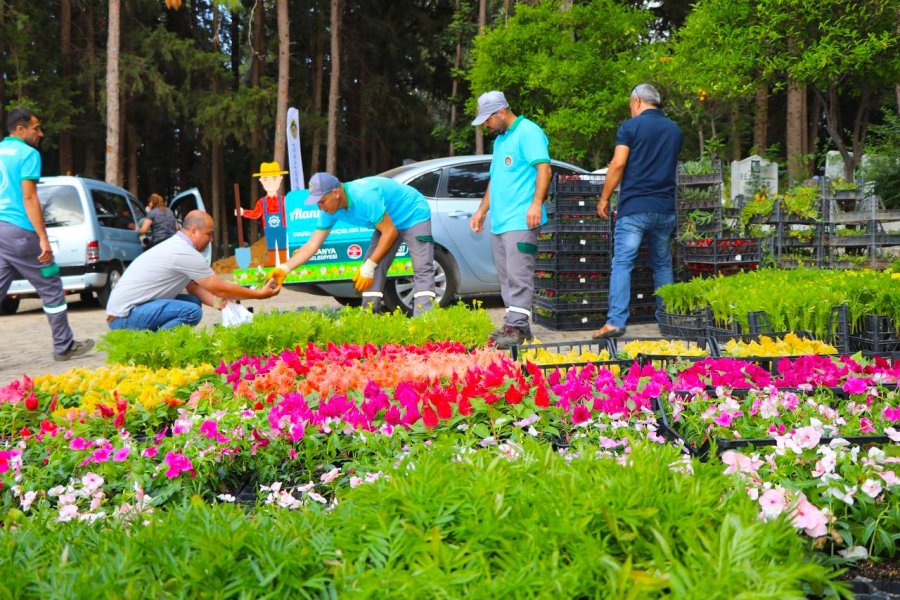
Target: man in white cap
pixel 520 177
pixel 398 212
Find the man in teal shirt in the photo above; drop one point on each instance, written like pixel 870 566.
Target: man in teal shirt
pixel 24 245
pixel 398 212
pixel 520 177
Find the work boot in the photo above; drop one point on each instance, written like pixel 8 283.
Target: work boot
pixel 512 336
pixel 77 349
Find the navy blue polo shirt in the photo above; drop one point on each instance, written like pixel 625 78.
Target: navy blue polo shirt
pixel 648 184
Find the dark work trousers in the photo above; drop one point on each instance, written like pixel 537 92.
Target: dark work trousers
pixel 19 250
pixel 514 255
pixel 421 252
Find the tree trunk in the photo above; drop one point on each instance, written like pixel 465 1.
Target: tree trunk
pixel 813 137
pixel 761 119
pixel 735 133
pixel 334 87
pixel 257 51
pixel 235 39
pixel 219 214
pixel 284 61
pixel 454 90
pixel 318 80
pixel 482 22
pixel 112 95
pixel 65 48
pixel 133 143
pixel 90 91
pixel 796 130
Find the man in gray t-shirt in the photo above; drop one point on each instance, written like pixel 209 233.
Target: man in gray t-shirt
pixel 150 293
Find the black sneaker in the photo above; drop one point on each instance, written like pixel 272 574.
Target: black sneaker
pixel 77 349
pixel 512 336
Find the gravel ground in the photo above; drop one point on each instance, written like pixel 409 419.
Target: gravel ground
pixel 26 344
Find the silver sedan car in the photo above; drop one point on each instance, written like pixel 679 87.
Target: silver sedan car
pixel 464 268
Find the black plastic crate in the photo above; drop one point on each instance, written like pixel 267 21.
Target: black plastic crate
pixel 713 201
pixel 663 359
pixel 576 243
pixel 722 251
pixel 577 224
pixel 564 204
pixel 690 326
pixel 568 281
pixel 770 363
pixel 568 320
pixel 596 300
pixel 583 185
pixel 563 261
pixel 712 177
pixel 592 346
pixel 878 334
pixel 695 270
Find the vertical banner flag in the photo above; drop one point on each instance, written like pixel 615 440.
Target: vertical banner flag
pixel 295 164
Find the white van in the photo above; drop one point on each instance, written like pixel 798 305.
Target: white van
pixel 92 226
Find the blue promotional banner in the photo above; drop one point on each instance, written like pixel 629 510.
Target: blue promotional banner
pixel 338 259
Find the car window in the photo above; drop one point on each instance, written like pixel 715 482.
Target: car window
pixel 468 181
pixel 427 183
pixel 112 210
pixel 61 205
pixel 137 208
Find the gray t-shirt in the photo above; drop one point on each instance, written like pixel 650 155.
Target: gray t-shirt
pixel 163 226
pixel 161 272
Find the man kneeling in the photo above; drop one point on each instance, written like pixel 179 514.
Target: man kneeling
pixel 149 295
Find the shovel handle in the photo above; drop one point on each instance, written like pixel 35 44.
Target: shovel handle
pixel 237 212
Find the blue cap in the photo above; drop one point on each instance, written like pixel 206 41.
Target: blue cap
pixel 319 185
pixel 488 104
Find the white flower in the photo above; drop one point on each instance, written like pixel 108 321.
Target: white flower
pixel 844 496
pixel 462 427
pixel 855 553
pixel 355 481
pixel 318 498
pixel 488 441
pixel 28 499
pixel 533 432
pixel 67 512
pixel 91 481
pixel 531 420
pixel 226 497
pixel 872 487
pixel 306 487
pixel 373 477
pixel 330 475
pixel 893 434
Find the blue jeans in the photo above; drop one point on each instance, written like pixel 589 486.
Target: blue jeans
pixel 630 231
pixel 184 309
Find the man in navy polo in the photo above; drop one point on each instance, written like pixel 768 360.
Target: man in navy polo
pixel 645 162
pixel 520 177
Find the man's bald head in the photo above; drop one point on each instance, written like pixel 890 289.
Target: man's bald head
pixel 198 226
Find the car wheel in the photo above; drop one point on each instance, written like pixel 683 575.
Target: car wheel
pixel 112 280
pixel 9 306
pixel 398 292
pixel 87 297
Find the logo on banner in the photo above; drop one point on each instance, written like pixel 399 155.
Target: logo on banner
pixel 354 251
pixel 274 221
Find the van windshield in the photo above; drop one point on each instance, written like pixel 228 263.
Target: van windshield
pixel 61 205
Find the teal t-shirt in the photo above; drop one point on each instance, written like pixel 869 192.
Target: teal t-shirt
pixel 517 152
pixel 370 197
pixel 18 161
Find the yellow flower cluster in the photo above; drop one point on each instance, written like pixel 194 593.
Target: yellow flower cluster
pixel 790 345
pixel 544 356
pixel 140 384
pixel 662 348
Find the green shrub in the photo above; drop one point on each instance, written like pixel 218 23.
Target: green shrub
pixel 270 333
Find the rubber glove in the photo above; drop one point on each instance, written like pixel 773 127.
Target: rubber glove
pixel 365 276
pixel 278 275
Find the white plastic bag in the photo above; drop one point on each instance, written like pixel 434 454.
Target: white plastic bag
pixel 234 314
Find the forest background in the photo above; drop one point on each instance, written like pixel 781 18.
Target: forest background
pixel 163 95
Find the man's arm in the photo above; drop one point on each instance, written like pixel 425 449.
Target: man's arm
pixel 544 174
pixel 388 237
pixel 307 250
pixel 231 291
pixel 613 178
pixel 36 216
pixel 476 223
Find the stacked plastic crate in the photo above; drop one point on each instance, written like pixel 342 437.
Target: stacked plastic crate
pixel 573 262
pixel 705 249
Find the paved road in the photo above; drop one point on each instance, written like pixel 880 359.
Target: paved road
pixel 25 344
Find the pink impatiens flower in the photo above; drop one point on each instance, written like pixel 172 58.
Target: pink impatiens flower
pixel 79 443
pixel 738 463
pixel 809 518
pixel 773 503
pixel 121 454
pixel 178 463
pixel 892 413
pixel 871 487
pixel 855 385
